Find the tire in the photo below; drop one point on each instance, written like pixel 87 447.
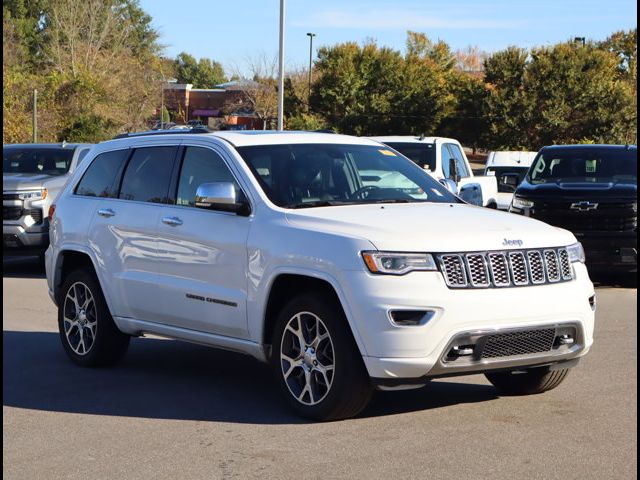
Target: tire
pixel 529 382
pixel 101 343
pixel 327 380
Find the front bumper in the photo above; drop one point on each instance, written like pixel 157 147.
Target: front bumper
pixel 18 238
pixel 607 250
pixel 391 351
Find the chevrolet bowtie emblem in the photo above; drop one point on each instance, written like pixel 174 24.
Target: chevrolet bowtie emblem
pixel 584 206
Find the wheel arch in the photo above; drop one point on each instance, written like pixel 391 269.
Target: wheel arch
pixel 286 285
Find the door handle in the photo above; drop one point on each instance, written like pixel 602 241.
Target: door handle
pixel 106 212
pixel 173 221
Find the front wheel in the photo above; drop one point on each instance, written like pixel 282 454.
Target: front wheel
pixel 527 382
pixel 316 361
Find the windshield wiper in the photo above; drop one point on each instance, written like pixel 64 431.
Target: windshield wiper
pixel 388 200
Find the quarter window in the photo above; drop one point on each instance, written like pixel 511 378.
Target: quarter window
pixel 100 178
pixel 200 165
pixel 148 175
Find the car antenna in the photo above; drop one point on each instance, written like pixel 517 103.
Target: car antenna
pixel 422 136
pixel 64 143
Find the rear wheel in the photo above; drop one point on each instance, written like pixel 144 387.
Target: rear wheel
pixel 88 333
pixel 316 361
pixel 527 382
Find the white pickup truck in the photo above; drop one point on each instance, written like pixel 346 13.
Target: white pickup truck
pixel 444 159
pixel 509 168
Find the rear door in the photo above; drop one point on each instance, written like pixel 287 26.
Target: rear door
pixel 124 230
pixel 202 254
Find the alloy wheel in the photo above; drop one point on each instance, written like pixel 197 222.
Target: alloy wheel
pixel 307 358
pixel 80 318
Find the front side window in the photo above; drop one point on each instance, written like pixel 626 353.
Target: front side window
pixel 148 175
pixel 100 178
pixel 308 175
pixel 604 165
pixel 461 165
pixel 422 154
pixel 200 165
pixel 445 155
pixel 44 161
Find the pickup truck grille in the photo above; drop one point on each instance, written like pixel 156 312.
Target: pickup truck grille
pixel 499 269
pixel 16 213
pixel 606 217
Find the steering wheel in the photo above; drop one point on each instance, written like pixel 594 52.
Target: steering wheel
pixel 361 191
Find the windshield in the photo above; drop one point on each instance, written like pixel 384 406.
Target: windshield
pixel 312 175
pixel 605 165
pixel 420 153
pixel 45 161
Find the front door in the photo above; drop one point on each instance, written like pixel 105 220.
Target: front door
pixel 202 254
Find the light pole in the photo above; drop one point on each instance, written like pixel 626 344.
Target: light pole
pixel 281 69
pixel 310 35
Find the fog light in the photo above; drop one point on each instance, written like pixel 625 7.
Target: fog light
pixel 411 318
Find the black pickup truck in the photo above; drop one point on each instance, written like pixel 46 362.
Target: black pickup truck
pixel 591 190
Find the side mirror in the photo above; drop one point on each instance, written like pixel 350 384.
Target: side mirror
pixel 449 185
pixel 453 170
pixel 509 181
pixel 472 193
pixel 222 196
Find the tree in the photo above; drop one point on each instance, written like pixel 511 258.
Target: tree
pixel 259 95
pixel 507 107
pixel 205 73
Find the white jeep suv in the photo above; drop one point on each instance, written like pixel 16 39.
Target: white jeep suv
pixel 334 258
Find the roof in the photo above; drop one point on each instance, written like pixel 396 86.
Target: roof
pixel 588 146
pixel 411 139
pixel 242 138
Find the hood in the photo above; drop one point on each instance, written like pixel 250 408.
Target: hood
pixel 577 190
pixel 31 181
pixel 432 227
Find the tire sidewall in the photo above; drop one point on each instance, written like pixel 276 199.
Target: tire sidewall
pixel 103 319
pixel 348 365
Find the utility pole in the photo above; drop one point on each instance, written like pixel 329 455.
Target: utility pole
pixel 34 120
pixel 311 35
pixel 281 69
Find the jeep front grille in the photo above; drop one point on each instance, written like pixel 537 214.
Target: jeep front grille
pixel 505 269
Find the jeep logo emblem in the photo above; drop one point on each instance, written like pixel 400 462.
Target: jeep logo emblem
pixel 512 243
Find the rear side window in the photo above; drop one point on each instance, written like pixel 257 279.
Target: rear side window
pixel 100 178
pixel 200 165
pixel 148 175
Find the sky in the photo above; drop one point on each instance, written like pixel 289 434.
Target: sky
pixel 236 33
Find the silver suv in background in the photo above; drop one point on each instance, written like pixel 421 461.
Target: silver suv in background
pixel 32 176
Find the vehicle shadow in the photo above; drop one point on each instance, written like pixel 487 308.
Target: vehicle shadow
pixel 615 280
pixel 175 380
pixel 22 267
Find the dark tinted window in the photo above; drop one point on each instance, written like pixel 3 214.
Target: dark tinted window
pixel 82 154
pixel 47 161
pixel 421 153
pixel 591 164
pixel 498 171
pixel 148 175
pixel 200 165
pixel 100 178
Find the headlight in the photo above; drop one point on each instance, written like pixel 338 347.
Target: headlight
pixel 33 194
pixel 576 253
pixel 398 263
pixel 519 202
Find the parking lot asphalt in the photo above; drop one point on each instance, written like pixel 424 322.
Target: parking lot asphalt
pixel 172 410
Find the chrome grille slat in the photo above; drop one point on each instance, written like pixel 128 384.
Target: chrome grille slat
pixel 551 265
pixel 500 269
pixel 536 267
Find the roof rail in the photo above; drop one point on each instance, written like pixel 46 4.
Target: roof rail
pixel 163 132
